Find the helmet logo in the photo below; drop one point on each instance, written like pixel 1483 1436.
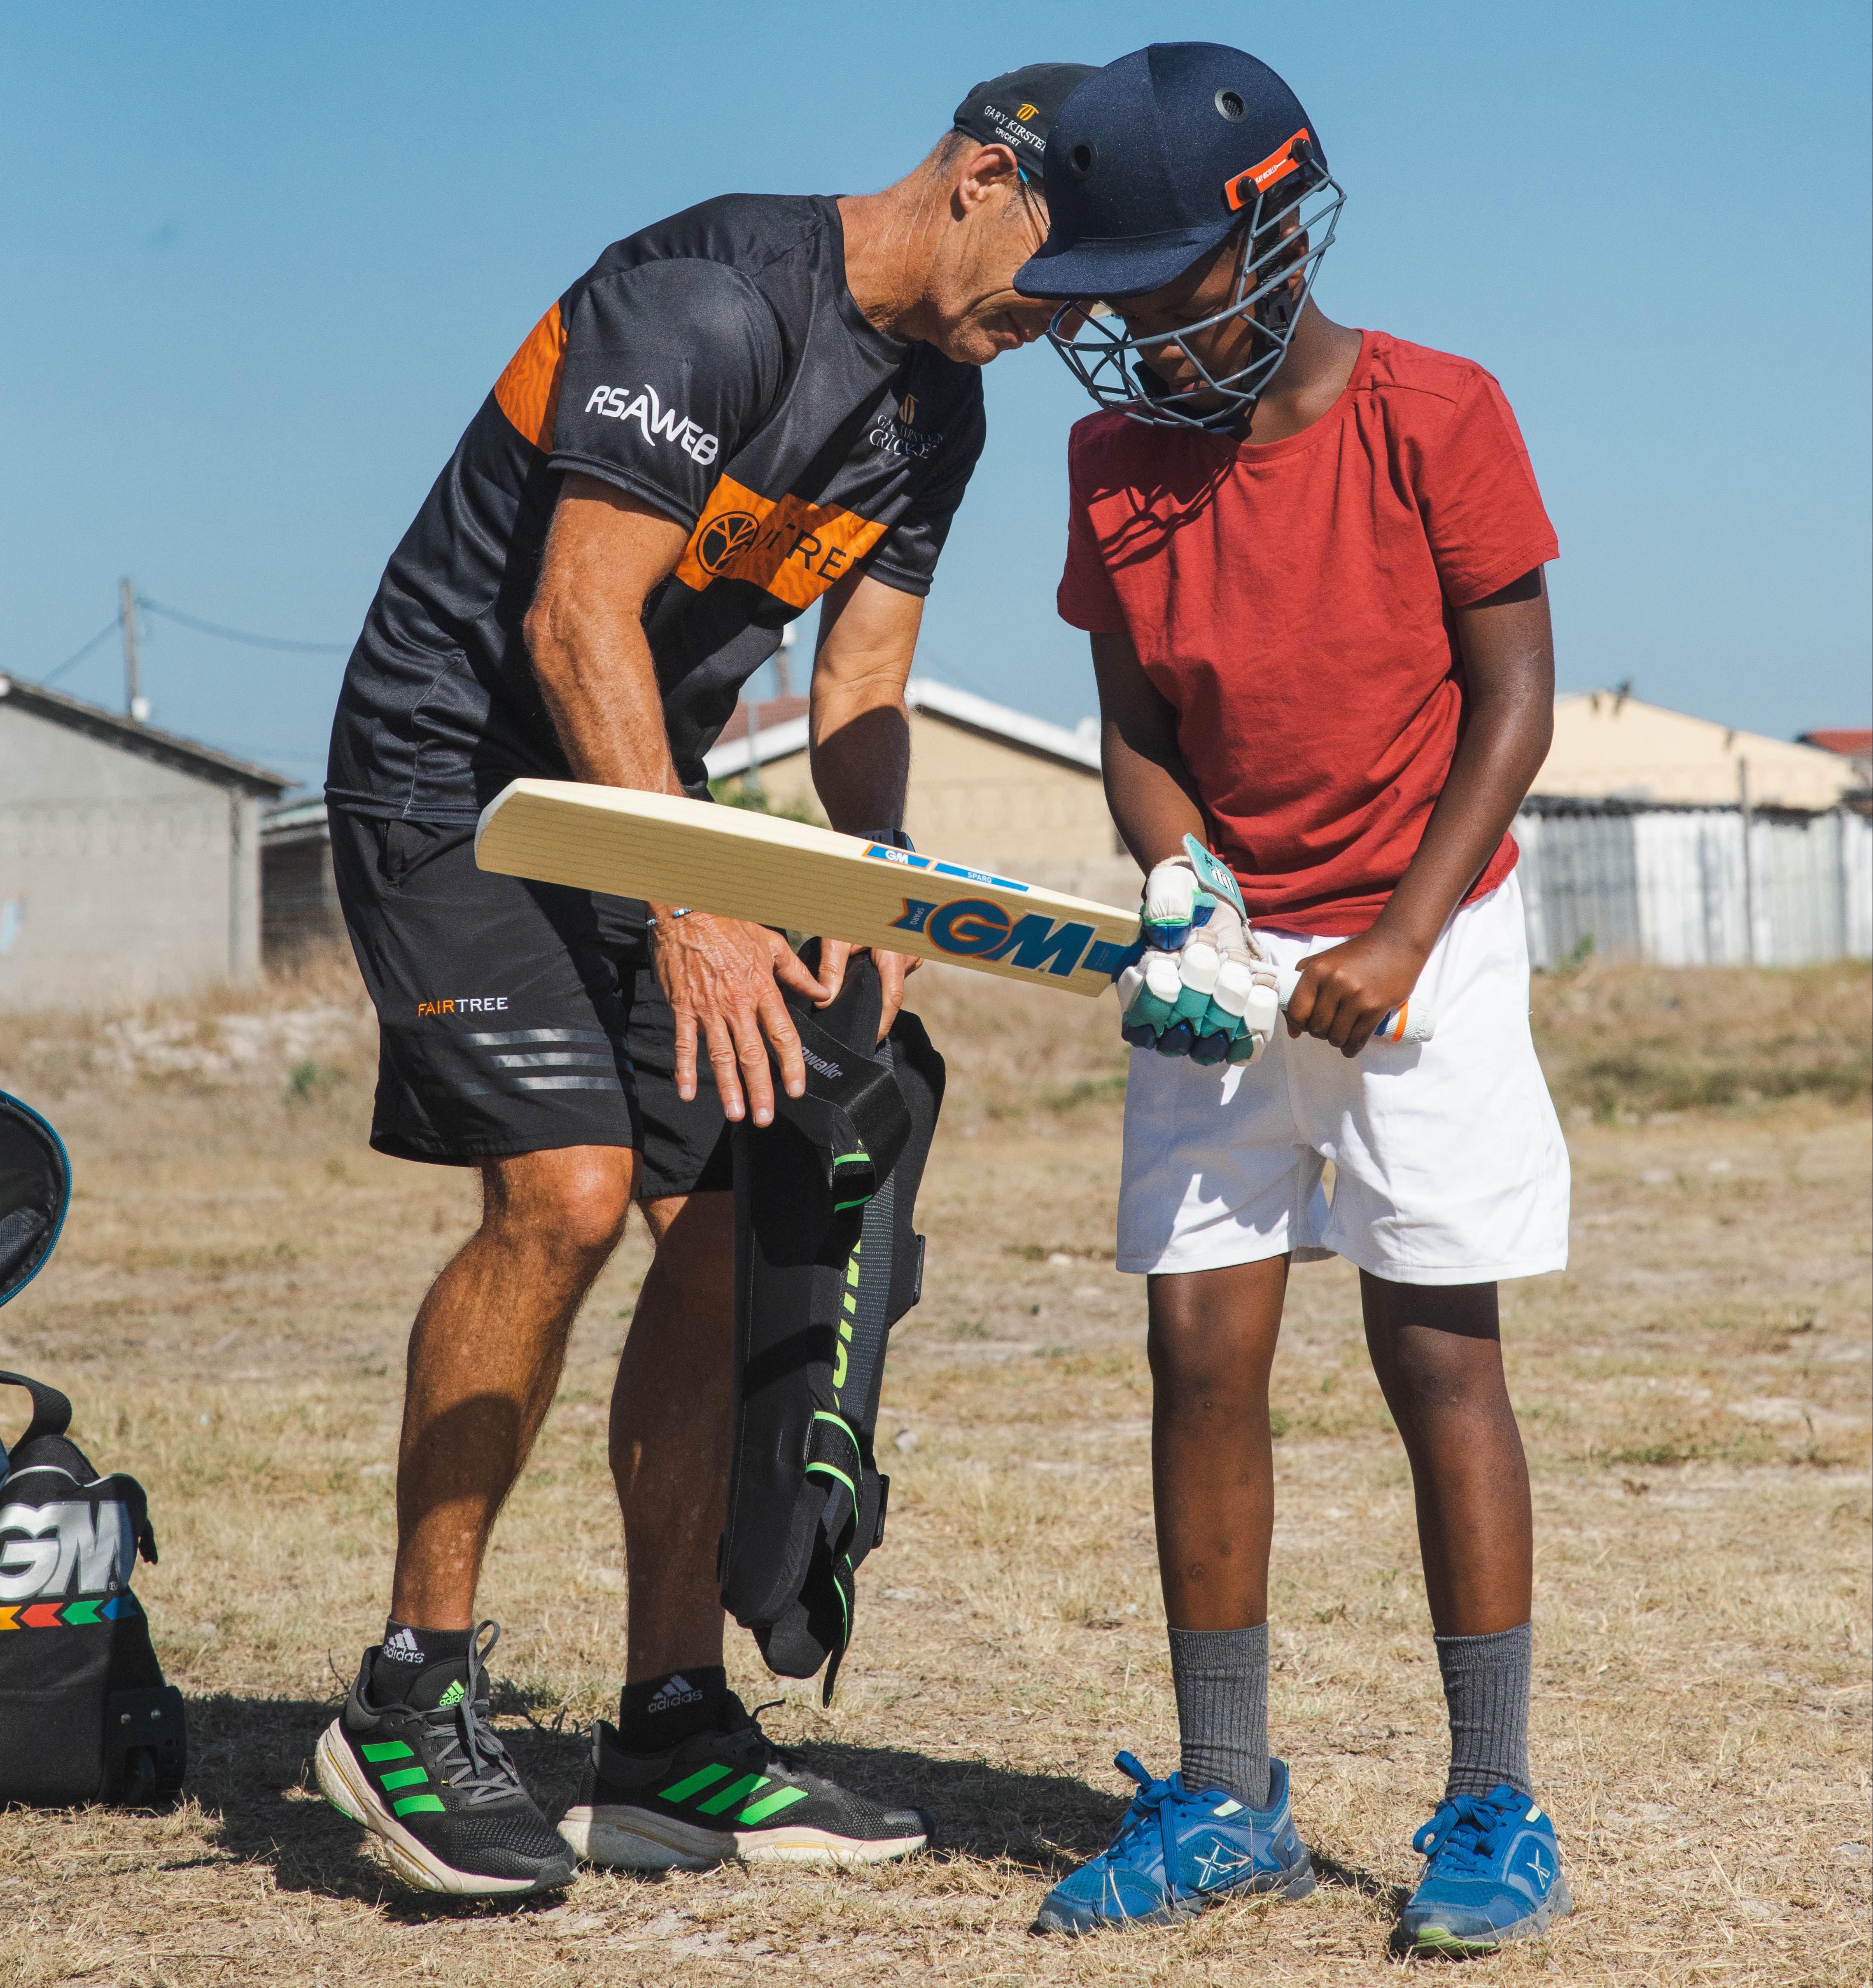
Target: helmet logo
pixel 1028 112
pixel 1285 158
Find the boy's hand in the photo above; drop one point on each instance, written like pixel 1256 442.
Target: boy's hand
pixel 1345 993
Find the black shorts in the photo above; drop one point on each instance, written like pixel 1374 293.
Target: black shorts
pixel 514 1017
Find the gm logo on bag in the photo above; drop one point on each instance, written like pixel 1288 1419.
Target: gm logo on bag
pixel 43 1547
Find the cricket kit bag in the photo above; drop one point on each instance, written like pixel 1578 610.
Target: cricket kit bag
pixel 826 1261
pixel 85 1714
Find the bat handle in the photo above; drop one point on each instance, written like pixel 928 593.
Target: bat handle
pixel 1412 1021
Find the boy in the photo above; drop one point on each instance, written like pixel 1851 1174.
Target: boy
pixel 1311 562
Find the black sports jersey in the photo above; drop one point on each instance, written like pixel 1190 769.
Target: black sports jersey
pixel 715 365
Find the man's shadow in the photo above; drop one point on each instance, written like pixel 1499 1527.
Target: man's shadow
pixel 250 1769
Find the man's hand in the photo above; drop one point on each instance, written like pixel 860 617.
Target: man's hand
pixel 1345 992
pixel 720 976
pixel 835 953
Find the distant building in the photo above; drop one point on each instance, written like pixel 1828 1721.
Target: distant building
pixel 990 787
pixel 130 859
pixel 1650 834
pixel 1611 746
pixel 1855 746
pixel 299 898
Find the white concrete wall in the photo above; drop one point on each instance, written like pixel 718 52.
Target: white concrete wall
pixel 115 873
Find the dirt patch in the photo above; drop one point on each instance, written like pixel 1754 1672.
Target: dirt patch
pixel 228 1310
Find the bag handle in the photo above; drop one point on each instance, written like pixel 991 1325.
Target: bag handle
pixel 52 1411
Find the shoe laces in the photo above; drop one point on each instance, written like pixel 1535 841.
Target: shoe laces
pixel 754 1738
pixel 1146 1811
pixel 469 1751
pixel 1463 1836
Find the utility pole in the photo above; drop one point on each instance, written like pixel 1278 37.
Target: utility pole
pixel 783 665
pixel 135 703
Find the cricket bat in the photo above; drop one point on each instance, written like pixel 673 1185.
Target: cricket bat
pixel 739 863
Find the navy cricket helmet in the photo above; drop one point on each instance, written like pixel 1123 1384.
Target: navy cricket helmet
pixel 1153 164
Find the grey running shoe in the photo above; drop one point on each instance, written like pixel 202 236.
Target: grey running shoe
pixel 728 1793
pixel 435 1783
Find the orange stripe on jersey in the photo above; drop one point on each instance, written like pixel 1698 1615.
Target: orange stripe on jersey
pixel 529 392
pixel 793 550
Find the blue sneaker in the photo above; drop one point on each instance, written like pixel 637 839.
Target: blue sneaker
pixel 1492 1874
pixel 1178 1851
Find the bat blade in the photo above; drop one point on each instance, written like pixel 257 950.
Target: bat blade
pixel 739 863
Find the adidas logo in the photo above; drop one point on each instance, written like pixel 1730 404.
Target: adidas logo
pixel 677 1691
pixel 404 1648
pixel 452 1697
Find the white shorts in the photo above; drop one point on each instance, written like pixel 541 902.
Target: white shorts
pixel 1450 1168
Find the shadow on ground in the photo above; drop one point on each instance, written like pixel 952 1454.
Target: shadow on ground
pixel 251 1771
pixel 1330 1870
pixel 1045 1823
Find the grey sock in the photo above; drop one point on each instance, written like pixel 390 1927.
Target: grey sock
pixel 1222 1680
pixel 1486 1681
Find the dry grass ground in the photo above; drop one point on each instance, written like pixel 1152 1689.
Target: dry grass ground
pixel 228 1310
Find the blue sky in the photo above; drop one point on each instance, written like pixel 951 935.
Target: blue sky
pixel 262 264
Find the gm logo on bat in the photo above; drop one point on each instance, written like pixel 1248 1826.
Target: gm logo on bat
pixel 978 928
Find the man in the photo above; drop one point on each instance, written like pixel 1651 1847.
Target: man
pixel 755 405
pixel 1310 559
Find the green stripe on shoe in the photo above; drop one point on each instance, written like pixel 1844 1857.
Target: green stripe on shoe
pixel 702 1778
pixel 406 1777
pixel 772 1804
pixel 386 1749
pixel 411 1804
pixel 747 1785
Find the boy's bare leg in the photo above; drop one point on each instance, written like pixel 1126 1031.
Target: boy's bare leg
pixel 670 1434
pixel 1211 1342
pixel 1440 1366
pixel 485 1359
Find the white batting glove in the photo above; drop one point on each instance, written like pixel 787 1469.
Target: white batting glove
pixel 1205 987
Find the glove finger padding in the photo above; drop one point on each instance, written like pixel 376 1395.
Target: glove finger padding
pixel 1206 986
pixel 1245 998
pixel 1171 905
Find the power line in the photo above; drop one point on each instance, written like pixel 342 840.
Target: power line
pixel 78 655
pixel 240 634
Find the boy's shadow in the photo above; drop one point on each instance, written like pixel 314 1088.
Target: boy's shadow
pixel 1044 1823
pixel 250 1768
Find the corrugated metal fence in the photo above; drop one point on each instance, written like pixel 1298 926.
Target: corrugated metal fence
pixel 1687 887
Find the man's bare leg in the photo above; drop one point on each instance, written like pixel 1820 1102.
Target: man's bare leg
pixel 485 1359
pixel 670 1436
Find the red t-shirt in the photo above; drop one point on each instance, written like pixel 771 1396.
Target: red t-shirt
pixel 1294 601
